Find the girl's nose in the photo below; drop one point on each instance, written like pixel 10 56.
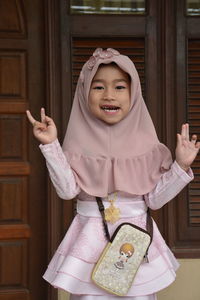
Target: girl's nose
pixel 109 94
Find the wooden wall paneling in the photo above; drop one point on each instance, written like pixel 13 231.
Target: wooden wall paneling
pixel 22 175
pixel 13 75
pixel 154 77
pixel 37 193
pixel 13 146
pixel 102 25
pixel 13 204
pixel 177 111
pixel 15 294
pixel 193 109
pixel 168 98
pixel 184 233
pixel 13 80
pixel 12 24
pixel 152 72
pixel 13 252
pixel 56 108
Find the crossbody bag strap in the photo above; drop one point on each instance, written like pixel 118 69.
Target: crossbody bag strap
pixel 101 209
pixel 149 222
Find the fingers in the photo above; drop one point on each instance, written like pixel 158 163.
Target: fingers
pixel 179 139
pixel 194 139
pixel 30 117
pixel 197 145
pixel 185 131
pixel 32 120
pixel 36 124
pixel 184 137
pixel 42 114
pixel 49 121
pixel 45 119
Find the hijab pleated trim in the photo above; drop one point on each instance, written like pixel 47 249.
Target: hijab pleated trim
pixel 117 173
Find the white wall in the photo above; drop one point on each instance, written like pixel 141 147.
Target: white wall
pixel 187 283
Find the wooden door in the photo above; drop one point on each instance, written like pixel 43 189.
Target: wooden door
pixel 23 196
pixel 164 43
pixel 185 212
pixel 42 48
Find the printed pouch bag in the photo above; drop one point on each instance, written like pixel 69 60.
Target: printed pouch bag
pixel 121 258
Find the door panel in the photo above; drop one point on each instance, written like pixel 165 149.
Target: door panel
pixel 23 201
pixel 185 212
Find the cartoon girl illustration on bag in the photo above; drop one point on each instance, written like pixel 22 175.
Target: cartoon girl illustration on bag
pixel 126 251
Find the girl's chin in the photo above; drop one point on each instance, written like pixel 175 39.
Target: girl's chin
pixel 110 118
pixel 111 121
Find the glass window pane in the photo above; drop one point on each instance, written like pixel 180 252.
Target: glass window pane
pixel 193 7
pixel 107 7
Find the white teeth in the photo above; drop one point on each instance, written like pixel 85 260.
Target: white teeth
pixel 110 108
pixel 106 109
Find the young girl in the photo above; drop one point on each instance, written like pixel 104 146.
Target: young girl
pixel 111 150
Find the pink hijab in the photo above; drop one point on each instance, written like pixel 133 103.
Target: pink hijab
pixel 126 156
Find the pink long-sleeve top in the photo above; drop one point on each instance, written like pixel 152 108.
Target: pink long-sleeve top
pixel 74 260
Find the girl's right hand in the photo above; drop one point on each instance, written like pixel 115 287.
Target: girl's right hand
pixel 45 131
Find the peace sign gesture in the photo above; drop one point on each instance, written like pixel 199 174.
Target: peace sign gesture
pixel 45 131
pixel 186 149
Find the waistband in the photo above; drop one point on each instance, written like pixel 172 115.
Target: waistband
pixel 127 209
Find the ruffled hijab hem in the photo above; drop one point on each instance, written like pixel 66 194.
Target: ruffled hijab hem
pixel 136 175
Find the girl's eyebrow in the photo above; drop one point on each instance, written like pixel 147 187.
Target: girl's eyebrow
pixel 103 80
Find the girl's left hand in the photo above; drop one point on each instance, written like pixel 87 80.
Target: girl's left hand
pixel 186 150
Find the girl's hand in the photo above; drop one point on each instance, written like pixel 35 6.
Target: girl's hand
pixel 45 131
pixel 186 150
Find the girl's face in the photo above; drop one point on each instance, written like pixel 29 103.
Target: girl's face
pixel 109 96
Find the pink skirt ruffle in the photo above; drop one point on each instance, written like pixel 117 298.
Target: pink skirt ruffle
pixel 112 297
pixel 71 266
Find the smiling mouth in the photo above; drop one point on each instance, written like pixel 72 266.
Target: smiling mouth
pixel 110 108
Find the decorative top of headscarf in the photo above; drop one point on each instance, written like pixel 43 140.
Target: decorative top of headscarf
pixel 126 156
pixel 101 54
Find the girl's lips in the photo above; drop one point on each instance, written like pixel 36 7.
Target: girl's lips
pixel 110 109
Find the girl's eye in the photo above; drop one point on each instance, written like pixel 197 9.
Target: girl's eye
pixel 98 87
pixel 120 87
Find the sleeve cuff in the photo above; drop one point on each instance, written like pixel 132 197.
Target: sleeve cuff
pixel 50 146
pixel 187 176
